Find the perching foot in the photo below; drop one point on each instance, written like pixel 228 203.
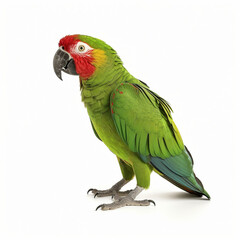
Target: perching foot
pixel 127 201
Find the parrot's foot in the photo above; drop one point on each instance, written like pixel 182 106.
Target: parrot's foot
pixel 127 201
pixel 121 194
pixel 113 191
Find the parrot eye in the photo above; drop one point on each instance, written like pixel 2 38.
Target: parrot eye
pixel 81 48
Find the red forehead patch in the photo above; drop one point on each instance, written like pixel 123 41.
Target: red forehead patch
pixel 68 40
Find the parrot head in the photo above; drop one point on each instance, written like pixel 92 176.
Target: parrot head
pixel 82 55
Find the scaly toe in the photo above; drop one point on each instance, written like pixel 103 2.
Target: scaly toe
pixel 101 193
pixel 125 201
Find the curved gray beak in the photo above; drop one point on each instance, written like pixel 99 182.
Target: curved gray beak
pixel 63 61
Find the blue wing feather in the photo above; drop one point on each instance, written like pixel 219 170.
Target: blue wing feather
pixel 178 170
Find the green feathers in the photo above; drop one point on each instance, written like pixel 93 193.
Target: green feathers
pixel 135 123
pixel 144 121
pixel 179 171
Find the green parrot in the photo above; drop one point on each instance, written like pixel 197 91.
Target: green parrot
pixel 131 120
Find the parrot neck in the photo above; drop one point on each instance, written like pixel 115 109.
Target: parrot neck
pixel 97 90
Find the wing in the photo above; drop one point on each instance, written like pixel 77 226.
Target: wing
pixel 144 122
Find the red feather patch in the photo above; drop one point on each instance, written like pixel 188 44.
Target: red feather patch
pixel 68 41
pixel 83 62
pixel 84 65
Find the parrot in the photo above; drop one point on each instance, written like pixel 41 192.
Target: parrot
pixel 134 122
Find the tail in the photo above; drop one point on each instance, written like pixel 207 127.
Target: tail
pixel 178 171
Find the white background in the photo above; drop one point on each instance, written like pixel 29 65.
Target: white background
pixel 187 51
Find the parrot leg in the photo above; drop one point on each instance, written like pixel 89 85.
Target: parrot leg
pixel 113 191
pixel 128 200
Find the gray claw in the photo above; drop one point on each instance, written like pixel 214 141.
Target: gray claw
pixel 151 201
pixel 89 190
pixel 101 205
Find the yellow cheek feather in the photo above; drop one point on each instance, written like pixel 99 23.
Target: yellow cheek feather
pixel 99 57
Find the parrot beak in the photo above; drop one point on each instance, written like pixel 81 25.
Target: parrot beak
pixel 63 61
